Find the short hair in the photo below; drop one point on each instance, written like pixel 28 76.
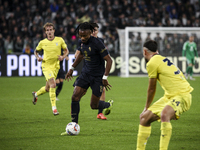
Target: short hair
pixel 94 25
pixel 151 45
pixel 84 26
pixel 48 24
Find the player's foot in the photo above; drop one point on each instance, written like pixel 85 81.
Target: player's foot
pixel 57 99
pixel 106 111
pixel 191 78
pixel 34 98
pixel 186 75
pixel 55 112
pixel 64 133
pixel 101 116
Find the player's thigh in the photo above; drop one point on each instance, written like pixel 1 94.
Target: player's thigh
pixel 180 104
pixel 78 93
pixel 190 61
pixel 147 117
pixel 50 74
pixel 158 106
pixel 96 86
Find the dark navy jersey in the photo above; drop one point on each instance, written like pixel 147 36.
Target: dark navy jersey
pixel 94 51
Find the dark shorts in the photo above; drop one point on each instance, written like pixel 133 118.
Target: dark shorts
pixel 61 74
pixel 95 83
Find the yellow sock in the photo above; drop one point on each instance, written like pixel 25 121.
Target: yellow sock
pixel 52 95
pixel 41 91
pixel 143 135
pixel 166 132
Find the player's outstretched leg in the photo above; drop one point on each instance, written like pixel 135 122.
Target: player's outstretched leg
pixel 34 98
pixel 107 111
pixel 101 116
pixel 52 95
pixel 58 90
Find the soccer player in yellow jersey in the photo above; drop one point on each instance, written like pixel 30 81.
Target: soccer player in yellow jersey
pixel 176 100
pixel 51 46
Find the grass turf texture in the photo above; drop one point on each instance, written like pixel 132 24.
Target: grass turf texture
pixel 25 126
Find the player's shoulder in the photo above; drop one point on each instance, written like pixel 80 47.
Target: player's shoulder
pixel 96 40
pixel 187 42
pixel 101 39
pixel 58 38
pixel 156 59
pixel 43 41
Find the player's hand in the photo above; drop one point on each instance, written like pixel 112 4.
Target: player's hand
pixel 69 75
pixel 66 58
pixel 60 58
pixel 39 59
pixel 145 109
pixel 184 59
pixel 106 85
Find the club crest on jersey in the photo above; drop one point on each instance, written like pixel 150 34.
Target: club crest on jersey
pixel 49 74
pixel 56 44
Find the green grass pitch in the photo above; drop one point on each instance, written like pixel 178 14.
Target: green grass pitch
pixel 24 126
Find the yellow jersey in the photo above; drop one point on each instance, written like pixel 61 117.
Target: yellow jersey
pixel 51 51
pixel 169 76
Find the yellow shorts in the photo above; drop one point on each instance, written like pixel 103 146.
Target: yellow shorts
pixel 50 74
pixel 180 103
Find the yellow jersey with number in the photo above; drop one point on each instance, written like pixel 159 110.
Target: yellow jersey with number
pixel 51 51
pixel 169 76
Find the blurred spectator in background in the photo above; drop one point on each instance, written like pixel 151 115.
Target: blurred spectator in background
pixel 18 45
pixel 8 45
pixel 2 49
pixel 28 50
pixel 25 18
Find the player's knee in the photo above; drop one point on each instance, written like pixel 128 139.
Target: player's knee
pixel 75 98
pixel 164 117
pixel 143 119
pixel 46 89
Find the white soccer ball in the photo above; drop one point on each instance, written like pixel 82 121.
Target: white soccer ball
pixel 72 128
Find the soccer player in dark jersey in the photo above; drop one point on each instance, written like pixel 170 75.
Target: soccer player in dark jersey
pixel 100 115
pixel 94 74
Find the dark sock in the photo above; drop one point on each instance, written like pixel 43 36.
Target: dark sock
pixel 75 108
pixel 59 88
pixel 103 105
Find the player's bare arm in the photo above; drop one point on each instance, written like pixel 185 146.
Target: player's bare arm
pixel 66 52
pixel 76 62
pixel 108 59
pixel 77 53
pixel 151 92
pixel 37 56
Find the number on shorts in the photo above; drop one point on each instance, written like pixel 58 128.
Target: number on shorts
pixel 177 102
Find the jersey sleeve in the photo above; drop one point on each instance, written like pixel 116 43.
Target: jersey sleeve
pixel 103 50
pixel 79 45
pixel 63 45
pixel 184 48
pixel 195 50
pixel 39 46
pixel 152 69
